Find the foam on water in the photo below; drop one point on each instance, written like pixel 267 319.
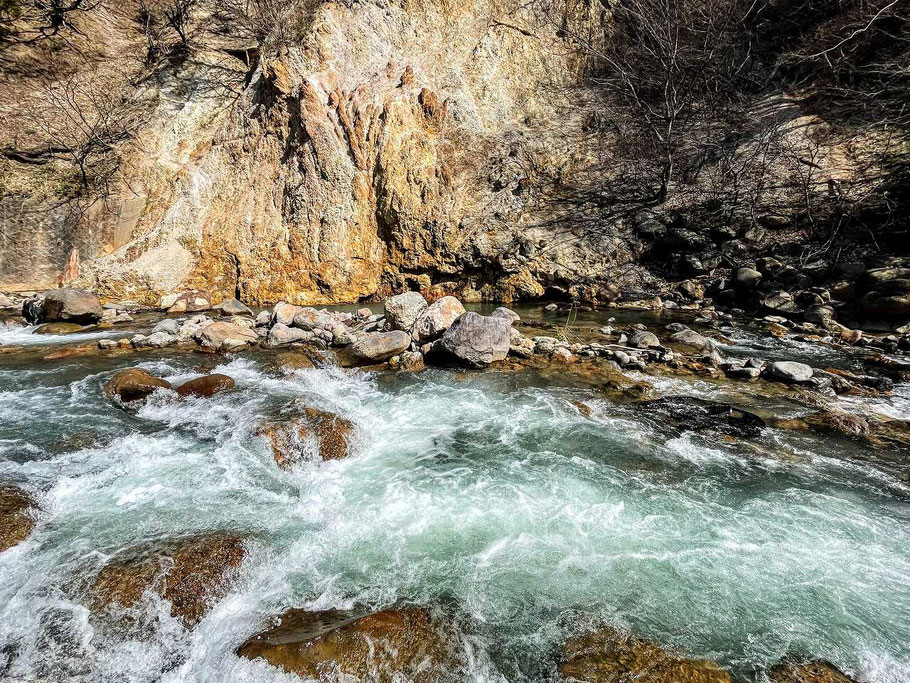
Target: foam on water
pixel 11 335
pixel 492 498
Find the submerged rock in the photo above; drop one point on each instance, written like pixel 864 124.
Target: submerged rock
pixel 134 384
pixel 818 671
pixel 476 340
pixel 376 347
pixel 16 519
pixel 403 310
pixel 190 573
pixel 206 386
pixel 609 656
pixel 57 328
pixel 289 437
pixel 386 646
pixel 438 317
pixel 64 305
pixel 698 415
pixel 692 341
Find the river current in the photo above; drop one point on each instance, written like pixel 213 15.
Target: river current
pixel 485 494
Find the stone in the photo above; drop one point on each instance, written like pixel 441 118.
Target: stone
pixel 550 308
pixel 819 314
pixel 699 415
pixel 476 340
pixel 382 647
pixel 789 371
pixel 838 423
pixel 289 437
pixel 642 339
pixel 742 372
pixel 609 656
pixel 284 313
pixel 57 328
pixel 157 340
pixel 224 336
pixel 693 341
pixel 17 519
pixel 411 361
pixel 341 336
pixel 107 344
pixel 64 305
pixel 206 386
pixel 282 335
pixel 233 307
pixel 564 355
pixel 780 302
pixel 375 347
pixel 507 314
pixel 402 311
pixel 692 289
pixel 188 302
pixel 264 318
pixel 817 671
pixel 520 345
pixel 168 325
pixel 190 573
pixel 851 336
pixel 436 319
pixel 133 384
pixel 6 303
pixel 747 278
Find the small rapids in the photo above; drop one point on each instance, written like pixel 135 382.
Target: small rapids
pixel 487 494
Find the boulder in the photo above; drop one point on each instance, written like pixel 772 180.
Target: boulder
pixel 507 314
pixel 699 415
pixel 609 656
pixel 168 325
pixel 692 341
pixel 190 573
pixel 6 303
pixel 402 310
pixel 206 386
pixel 57 328
pixel 818 671
pixel 233 307
pixel 224 336
pixel 789 371
pixel 157 340
pixel 64 305
pixel 747 278
pixel 289 437
pixel 781 302
pixel 16 516
pixel 520 345
pixel 186 302
pixel 476 340
pixel 411 361
pixel 642 339
pixel 284 313
pixel 134 384
pixel 375 347
pixel 282 335
pixel 437 318
pixel 383 647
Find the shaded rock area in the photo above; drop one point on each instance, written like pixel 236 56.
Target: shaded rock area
pixel 132 385
pixel 698 415
pixel 206 386
pixel 609 656
pixel 290 436
pixel 386 646
pixel 16 516
pixel 64 305
pixel 817 671
pixel 190 573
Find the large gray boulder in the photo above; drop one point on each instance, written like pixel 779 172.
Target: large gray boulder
pixel 282 335
pixel 690 339
pixel 476 340
pixel 642 339
pixel 436 319
pixel 64 305
pixel 376 347
pixel 223 336
pixel 790 371
pixel 403 310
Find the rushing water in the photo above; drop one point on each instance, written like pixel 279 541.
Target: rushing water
pixel 487 494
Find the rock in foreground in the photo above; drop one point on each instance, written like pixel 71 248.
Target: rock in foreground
pixel 222 336
pixel 476 340
pixel 386 646
pixel 16 520
pixel 190 573
pixel 609 656
pixel 134 384
pixel 403 310
pixel 808 672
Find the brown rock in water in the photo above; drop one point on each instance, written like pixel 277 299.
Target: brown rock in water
pixel 16 520
pixel 839 423
pixel 57 328
pixel 64 305
pixel 133 385
pixel 817 671
pixel 288 437
pixel 190 573
pixel 609 656
pixel 383 647
pixel 206 386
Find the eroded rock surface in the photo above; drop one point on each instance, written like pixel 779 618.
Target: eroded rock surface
pixel 16 516
pixel 817 671
pixel 132 385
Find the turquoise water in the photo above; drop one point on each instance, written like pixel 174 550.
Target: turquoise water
pixel 485 494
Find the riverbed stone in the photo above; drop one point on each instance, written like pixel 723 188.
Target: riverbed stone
pixel 233 307
pixel 817 671
pixel 789 371
pixel 436 319
pixel 507 314
pixel 383 647
pixel 64 305
pixel 747 278
pixel 282 335
pixel 17 518
pixel 191 573
pixel 206 386
pixel 187 302
pixel 225 336
pixel 642 339
pixel 289 437
pixel 692 341
pixel 375 347
pixel 700 415
pixel 132 385
pixel 476 340
pixel 58 328
pixel 609 656
pixel 402 310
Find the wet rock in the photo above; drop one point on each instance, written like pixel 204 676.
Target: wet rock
pixel 282 335
pixel 383 647
pixel 223 336
pixel 402 311
pixel 564 355
pixel 57 328
pixel 64 305
pixel 206 386
pixel 782 303
pixel 16 516
pixel 476 340
pixel 132 385
pixel 608 656
pixel 550 308
pixel 290 436
pixel 168 325
pixel 233 307
pixel 186 302
pixel 411 361
pixel 375 347
pixel 158 340
pixel 507 314
pixel 818 671
pixel 692 289
pixel 789 371
pixel 698 415
pixel 692 341
pixel 190 573
pixel 520 345
pixel 642 339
